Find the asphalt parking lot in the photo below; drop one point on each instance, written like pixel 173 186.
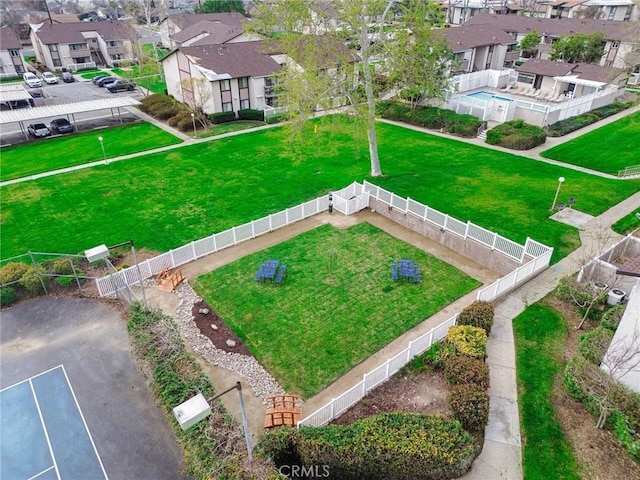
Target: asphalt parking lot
pixel 78 91
pixel 131 433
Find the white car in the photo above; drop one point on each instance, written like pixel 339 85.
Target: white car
pixel 49 78
pixel 32 80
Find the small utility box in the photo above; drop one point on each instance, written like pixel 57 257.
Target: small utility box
pixel 192 411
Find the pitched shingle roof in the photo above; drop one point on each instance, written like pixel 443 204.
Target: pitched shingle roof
pixel 72 32
pixel 467 37
pixel 9 39
pixel 554 27
pixel 217 32
pixel 243 59
pixel 586 71
pixel 184 20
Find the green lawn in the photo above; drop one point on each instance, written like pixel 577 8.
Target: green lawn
pixel 336 306
pixel 152 82
pixel 608 149
pixel 165 200
pixel 628 223
pixel 88 75
pixel 221 128
pixel 539 334
pixel 75 149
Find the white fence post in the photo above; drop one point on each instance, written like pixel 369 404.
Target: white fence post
pixel 193 250
pixel 364 384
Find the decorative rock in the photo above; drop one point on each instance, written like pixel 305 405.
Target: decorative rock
pixel 203 311
pixel 214 326
pixel 231 343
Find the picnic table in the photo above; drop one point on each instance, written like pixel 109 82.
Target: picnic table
pixel 405 269
pixel 270 270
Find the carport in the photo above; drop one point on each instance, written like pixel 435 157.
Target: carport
pixel 14 92
pixel 66 110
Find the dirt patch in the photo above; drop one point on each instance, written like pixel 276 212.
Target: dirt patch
pixel 424 392
pixel 213 327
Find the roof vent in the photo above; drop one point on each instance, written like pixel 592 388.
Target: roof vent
pixel 220 50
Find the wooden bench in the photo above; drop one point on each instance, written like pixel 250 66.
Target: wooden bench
pixel 282 410
pixel 169 283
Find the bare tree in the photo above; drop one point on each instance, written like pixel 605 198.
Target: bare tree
pixel 197 93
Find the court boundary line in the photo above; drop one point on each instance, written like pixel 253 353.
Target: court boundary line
pixel 42 472
pixel 86 427
pixel 44 429
pixel 32 377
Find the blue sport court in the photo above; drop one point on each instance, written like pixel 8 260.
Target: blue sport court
pixel 43 435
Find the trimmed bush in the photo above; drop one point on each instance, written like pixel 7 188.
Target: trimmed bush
pixel 31 281
pixel 572 124
pixel 12 272
pixel 470 406
pixel 594 345
pixel 460 369
pixel 65 281
pixel 222 117
pixel 611 318
pixel 62 266
pixel 478 314
pixel 468 340
pixel 387 446
pixel 277 118
pixel 462 125
pixel 251 114
pixel 437 355
pixel 516 135
pixel 7 296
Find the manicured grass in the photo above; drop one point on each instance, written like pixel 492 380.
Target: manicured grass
pixel 11 80
pixel 151 82
pixel 165 200
pixel 627 224
pixel 607 149
pixel 221 128
pixel 76 149
pixel 336 306
pixel 539 334
pixel 88 75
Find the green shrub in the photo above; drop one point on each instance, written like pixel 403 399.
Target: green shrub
pixel 12 272
pixel 468 340
pixel 594 345
pixel 62 266
pixel 629 438
pixel 470 406
pixel 31 281
pixel 251 114
pixel 7 296
pixel 611 318
pixel 277 118
pixel 389 446
pixel 572 124
pixel 516 135
pixel 222 117
pixel 460 369
pixel 279 444
pixel 478 314
pixel 65 281
pixel 438 353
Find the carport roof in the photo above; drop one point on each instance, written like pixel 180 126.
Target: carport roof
pixel 63 109
pixel 13 92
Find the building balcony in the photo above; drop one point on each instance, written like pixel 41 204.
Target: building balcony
pixel 512 56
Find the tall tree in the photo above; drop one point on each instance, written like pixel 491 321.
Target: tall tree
pixel 325 70
pixel 220 6
pixel 578 48
pixel 529 44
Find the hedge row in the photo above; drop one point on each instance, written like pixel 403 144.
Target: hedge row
pixel 594 345
pixel 477 314
pixel 214 448
pixel 516 135
pixel 572 124
pixel 461 125
pixel 387 446
pixel 165 107
pixel 591 386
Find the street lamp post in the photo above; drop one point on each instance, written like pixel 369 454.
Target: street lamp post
pixel 555 198
pixel 193 120
pixel 104 153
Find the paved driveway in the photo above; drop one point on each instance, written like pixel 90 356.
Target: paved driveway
pixel 131 433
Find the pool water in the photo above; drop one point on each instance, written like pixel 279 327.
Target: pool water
pixel 488 96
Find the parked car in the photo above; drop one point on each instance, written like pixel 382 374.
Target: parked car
pixel 67 77
pixel 103 82
pixel 31 79
pixel 38 130
pixel 95 80
pixel 61 125
pixel 121 84
pixel 49 78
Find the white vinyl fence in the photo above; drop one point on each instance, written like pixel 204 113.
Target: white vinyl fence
pixel 113 283
pixel 540 254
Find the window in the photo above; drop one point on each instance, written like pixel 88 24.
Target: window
pixel 612 12
pixel 80 60
pixel 526 78
pixel 19 69
pixel 114 43
pixel 225 86
pixel 78 46
pixel 243 82
pixel 227 107
pixel 57 62
pixel 14 53
pixel 615 44
pixel 116 56
pixel 244 104
pixel 53 47
pixel 627 14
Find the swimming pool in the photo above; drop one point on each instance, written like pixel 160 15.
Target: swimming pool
pixel 488 96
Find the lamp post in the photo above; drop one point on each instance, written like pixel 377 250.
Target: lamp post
pixel 193 120
pixel 104 154
pixel 560 182
pixel 102 252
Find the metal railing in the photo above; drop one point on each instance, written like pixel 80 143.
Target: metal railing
pixel 629 171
